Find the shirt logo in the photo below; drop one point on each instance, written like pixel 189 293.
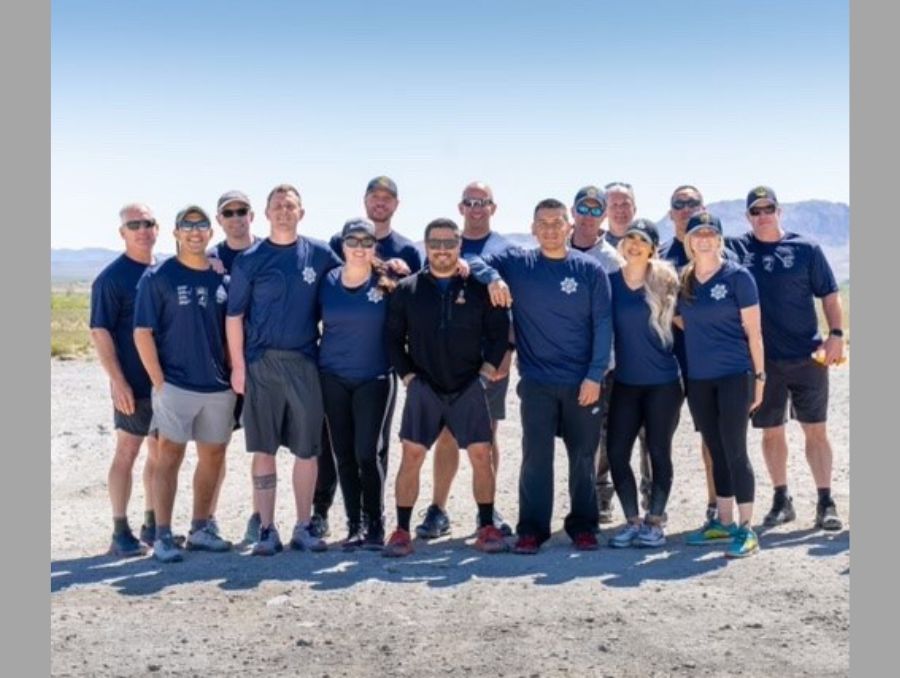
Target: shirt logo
pixel 768 262
pixel 184 295
pixel 568 285
pixel 718 292
pixel 461 297
pixel 309 275
pixel 748 259
pixel 202 294
pixel 221 295
pixel 375 295
pixel 785 255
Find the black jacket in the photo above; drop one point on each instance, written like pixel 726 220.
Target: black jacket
pixel 444 337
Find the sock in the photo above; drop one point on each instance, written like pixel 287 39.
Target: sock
pixel 120 526
pixel 404 513
pixel 163 531
pixel 198 524
pixel 485 514
pixel 825 497
pixel 150 519
pixel 781 493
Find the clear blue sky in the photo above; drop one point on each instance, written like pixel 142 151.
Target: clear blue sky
pixel 175 102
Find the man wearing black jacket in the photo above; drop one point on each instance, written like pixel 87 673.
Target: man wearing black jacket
pixel 445 341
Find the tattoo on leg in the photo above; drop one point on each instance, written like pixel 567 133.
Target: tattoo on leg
pixel 265 482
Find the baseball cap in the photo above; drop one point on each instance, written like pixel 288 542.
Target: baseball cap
pixel 382 183
pixel 232 196
pixel 761 193
pixel 190 209
pixel 590 193
pixel 704 220
pixel 645 229
pixel 358 225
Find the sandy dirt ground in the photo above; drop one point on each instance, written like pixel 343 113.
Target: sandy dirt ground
pixel 447 610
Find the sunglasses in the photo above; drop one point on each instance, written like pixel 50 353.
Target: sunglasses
pixel 678 204
pixel 185 225
pixel 612 184
pixel 442 243
pixel 584 210
pixel 477 202
pixel 239 212
pixel 138 224
pixel 353 242
pixel 768 209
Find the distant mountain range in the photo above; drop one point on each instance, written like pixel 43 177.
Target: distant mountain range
pixel 826 222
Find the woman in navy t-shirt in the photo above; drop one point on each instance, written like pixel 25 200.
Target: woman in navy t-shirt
pixel 359 388
pixel 718 307
pixel 647 389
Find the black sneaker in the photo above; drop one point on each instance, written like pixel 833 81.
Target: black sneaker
pixel 436 523
pixel 355 538
pixel 374 537
pixel 827 518
pixel 780 513
pixel 126 545
pixel 320 525
pixel 148 536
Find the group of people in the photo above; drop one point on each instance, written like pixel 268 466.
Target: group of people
pixel 304 344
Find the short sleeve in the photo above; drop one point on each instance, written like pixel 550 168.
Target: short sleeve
pixel 146 306
pixel 821 276
pixel 105 304
pixel 745 291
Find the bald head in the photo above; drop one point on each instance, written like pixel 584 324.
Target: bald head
pixel 477 207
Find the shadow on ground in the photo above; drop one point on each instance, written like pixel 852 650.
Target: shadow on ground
pixel 442 563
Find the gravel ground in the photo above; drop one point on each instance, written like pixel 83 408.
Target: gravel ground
pixel 447 610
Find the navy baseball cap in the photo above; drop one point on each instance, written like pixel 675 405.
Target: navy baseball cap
pixel 761 193
pixel 358 225
pixel 644 228
pixel 232 196
pixel 704 220
pixel 382 183
pixel 590 193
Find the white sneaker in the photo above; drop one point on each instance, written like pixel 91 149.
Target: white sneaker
pixel 207 539
pixel 625 537
pixel 165 551
pixel 650 536
pixel 305 538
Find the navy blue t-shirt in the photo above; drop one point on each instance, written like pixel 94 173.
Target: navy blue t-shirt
pixel 185 308
pixel 641 357
pixel 226 254
pixel 790 274
pixel 492 243
pixel 275 287
pixel 715 340
pixel 392 246
pixel 112 309
pixel 562 313
pixel 353 340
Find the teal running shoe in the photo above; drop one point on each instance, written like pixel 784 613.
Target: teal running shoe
pixel 744 544
pixel 712 532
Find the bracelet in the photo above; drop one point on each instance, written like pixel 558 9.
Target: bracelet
pixel 836 332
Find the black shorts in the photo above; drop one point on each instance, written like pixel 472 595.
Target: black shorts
pixel 283 404
pixel 803 383
pixel 464 413
pixel 496 398
pixel 137 424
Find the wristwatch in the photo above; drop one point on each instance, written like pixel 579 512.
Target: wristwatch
pixel 836 332
pixel 760 376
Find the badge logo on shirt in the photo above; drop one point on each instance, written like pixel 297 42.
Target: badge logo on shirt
pixel 202 294
pixel 785 255
pixel 768 262
pixel 221 294
pixel 718 292
pixel 461 297
pixel 184 295
pixel 568 285
pixel 375 295
pixel 309 275
pixel 748 259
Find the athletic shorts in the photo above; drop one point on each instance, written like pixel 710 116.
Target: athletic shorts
pixel 427 412
pixel 283 404
pixel 181 415
pixel 137 424
pixel 496 398
pixel 801 383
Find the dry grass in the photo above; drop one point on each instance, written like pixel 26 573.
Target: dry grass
pixel 70 335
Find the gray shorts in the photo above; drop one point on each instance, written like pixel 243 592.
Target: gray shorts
pixel 181 415
pixel 283 404
pixel 496 398
pixel 137 424
pixel 796 386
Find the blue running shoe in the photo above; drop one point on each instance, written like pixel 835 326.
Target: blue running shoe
pixel 436 523
pixel 743 544
pixel 712 532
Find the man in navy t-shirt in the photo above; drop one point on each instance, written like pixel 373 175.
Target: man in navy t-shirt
pixel 112 324
pixel 179 331
pixel 273 337
pixel 791 271
pixel 563 325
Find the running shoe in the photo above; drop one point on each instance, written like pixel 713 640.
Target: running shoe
pixel 354 539
pixel 782 511
pixel 711 533
pixel 744 543
pixel 650 536
pixel 148 536
pixel 625 537
pixel 267 542
pixel 499 523
pixel 490 540
pixel 436 523
pixel 320 525
pixel 306 538
pixel 374 537
pixel 165 551
pixel 207 539
pixel 252 531
pixel 126 545
pixel 399 545
pixel 527 545
pixel 827 518
pixel 585 541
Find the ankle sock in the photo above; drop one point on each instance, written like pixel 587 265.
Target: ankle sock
pixel 404 514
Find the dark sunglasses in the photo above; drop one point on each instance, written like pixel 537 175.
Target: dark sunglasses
pixel 185 225
pixel 617 183
pixel 477 202
pixel 353 242
pixel 138 224
pixel 239 212
pixel 678 204
pixel 768 209
pixel 584 210
pixel 442 243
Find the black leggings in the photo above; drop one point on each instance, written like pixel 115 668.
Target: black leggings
pixel 721 409
pixel 359 423
pixel 657 409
